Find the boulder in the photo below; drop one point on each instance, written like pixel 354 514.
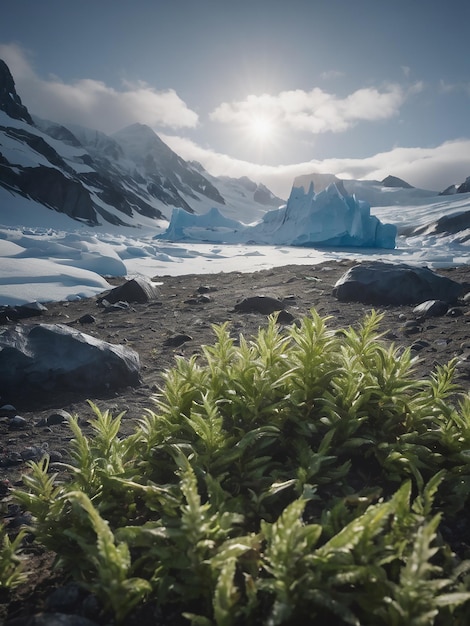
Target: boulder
pixel 43 360
pixel 388 283
pixel 431 308
pixel 260 304
pixel 139 289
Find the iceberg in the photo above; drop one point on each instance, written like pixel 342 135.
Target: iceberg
pixel 330 218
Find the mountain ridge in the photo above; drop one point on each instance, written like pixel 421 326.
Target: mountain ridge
pixel 125 179
pixel 132 178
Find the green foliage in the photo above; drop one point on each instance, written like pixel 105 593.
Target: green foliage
pixel 304 475
pixel 12 571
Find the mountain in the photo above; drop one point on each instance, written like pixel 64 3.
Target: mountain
pixel 131 178
pixel 394 181
pixel 464 187
pixel 388 192
pixel 10 102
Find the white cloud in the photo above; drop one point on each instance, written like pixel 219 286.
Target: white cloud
pixel 429 168
pixel 317 111
pixel 93 103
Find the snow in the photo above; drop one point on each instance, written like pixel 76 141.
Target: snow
pixel 55 258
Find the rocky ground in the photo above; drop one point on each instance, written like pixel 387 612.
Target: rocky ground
pixel 178 323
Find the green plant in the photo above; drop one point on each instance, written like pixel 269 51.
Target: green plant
pixel 302 475
pixel 12 565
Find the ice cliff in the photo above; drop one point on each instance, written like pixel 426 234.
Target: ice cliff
pixel 328 218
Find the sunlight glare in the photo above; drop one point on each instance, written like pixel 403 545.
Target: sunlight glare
pixel 261 127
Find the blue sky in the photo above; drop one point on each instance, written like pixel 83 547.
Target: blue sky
pixel 264 88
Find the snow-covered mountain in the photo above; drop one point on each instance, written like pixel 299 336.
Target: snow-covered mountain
pixel 131 178
pixel 134 179
pixel 390 191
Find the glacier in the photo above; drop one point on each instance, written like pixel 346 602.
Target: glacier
pixel 330 218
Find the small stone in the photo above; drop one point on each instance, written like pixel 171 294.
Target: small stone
pixel 18 422
pixel 7 410
pixel 33 453
pixel 13 458
pixel 58 417
pixel 206 289
pixel 63 599
pixel 420 345
pixel 87 319
pixel 177 340
pixel 284 317
pixel 55 456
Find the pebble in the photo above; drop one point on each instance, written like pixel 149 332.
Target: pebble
pixel 177 340
pixel 206 289
pixel 6 410
pixel 87 319
pixel 57 417
pixel 64 598
pixel 18 422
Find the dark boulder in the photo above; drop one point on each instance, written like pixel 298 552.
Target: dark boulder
pixel 388 283
pixel 21 311
pixel 260 304
pixel 139 289
pixel 40 361
pixel 431 308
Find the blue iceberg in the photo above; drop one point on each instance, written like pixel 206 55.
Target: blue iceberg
pixel 330 218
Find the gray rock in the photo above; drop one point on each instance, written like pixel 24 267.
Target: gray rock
pixel 57 417
pixel 139 289
pixel 431 308
pixel 260 304
pixel 63 599
pixel 388 283
pixel 47 359
pixel 175 341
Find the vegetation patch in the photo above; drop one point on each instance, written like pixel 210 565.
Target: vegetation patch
pixel 302 476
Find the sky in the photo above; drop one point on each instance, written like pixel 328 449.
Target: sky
pixel 264 88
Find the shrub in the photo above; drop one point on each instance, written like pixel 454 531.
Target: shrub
pixel 302 475
pixel 11 562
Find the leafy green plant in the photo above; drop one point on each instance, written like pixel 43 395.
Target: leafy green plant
pixel 12 565
pixel 304 474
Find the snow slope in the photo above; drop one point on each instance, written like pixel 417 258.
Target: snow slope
pixel 48 260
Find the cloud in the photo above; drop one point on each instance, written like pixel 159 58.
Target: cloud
pixel 428 168
pixel 331 74
pixel 448 88
pixel 317 111
pixel 93 103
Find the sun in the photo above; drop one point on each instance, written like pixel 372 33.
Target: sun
pixel 261 128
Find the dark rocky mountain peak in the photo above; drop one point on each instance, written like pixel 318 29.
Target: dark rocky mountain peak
pixel 449 191
pixel 10 102
pixel 394 181
pixel 464 187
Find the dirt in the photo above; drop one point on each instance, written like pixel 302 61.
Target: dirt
pixel 189 305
